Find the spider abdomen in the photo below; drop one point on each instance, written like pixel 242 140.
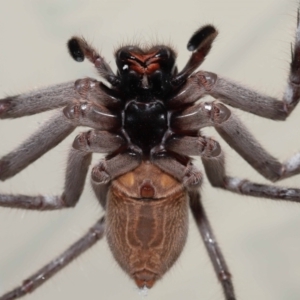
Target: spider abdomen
pixel 145 123
pixel 146 233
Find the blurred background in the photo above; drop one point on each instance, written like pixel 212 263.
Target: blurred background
pixel 259 238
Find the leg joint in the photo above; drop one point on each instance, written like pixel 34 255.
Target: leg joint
pixel 207 80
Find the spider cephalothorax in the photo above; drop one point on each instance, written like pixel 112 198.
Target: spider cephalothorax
pixel 148 123
pixel 145 82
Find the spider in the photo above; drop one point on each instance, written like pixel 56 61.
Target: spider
pixel 147 120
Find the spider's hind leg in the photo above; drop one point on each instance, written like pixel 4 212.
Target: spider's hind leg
pixel 211 245
pixel 94 234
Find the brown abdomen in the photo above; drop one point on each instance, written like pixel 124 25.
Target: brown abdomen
pixel 146 221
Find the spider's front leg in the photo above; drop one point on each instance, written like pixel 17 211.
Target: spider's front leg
pixel 228 125
pixel 238 96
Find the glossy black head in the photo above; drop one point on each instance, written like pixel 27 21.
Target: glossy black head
pixel 147 72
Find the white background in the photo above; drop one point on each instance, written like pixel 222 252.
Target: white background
pixel 260 238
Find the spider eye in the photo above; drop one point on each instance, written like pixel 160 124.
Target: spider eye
pixel 75 50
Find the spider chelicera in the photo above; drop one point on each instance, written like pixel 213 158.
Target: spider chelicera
pixel 147 121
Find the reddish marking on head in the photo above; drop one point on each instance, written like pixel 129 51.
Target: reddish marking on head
pixel 145 63
pixel 144 57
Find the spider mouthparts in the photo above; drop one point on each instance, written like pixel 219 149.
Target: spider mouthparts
pixel 145 279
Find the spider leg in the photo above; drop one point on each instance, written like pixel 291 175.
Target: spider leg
pixel 211 245
pixel 200 44
pixel 85 113
pixel 54 131
pixel 241 97
pixel 80 49
pixel 108 169
pixel 238 137
pixel 242 141
pixel 98 141
pixel 188 174
pixel 94 234
pixel 97 92
pixel 188 94
pixel 246 99
pixel 101 191
pixel 57 96
pixel 77 168
pixel 213 160
pixel 46 138
pixel 189 145
pixel 216 174
pixel 38 101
